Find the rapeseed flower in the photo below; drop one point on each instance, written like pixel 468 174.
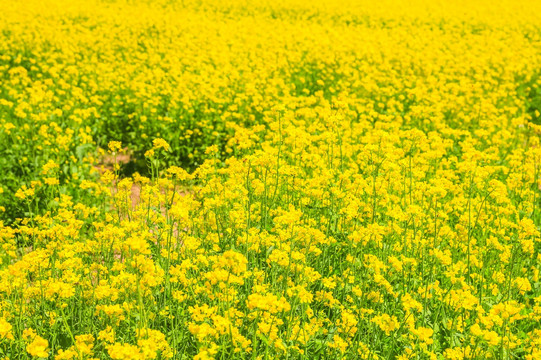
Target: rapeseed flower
pixel 343 180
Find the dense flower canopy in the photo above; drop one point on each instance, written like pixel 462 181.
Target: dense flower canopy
pixel 270 179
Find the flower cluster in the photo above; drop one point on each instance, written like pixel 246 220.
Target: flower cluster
pixel 291 179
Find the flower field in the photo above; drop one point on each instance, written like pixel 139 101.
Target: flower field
pixel 286 179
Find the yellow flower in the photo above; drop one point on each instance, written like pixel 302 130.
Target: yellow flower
pixel 424 334
pixel 207 353
pixel 153 342
pixel 50 165
pixel 386 323
pixel 119 351
pixel 69 354
pixel 38 347
pixel 84 343
pixel 107 335
pixel 213 149
pixel 160 143
pixel 51 181
pixel 149 153
pixel 5 329
pixel 24 192
pixel 114 146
